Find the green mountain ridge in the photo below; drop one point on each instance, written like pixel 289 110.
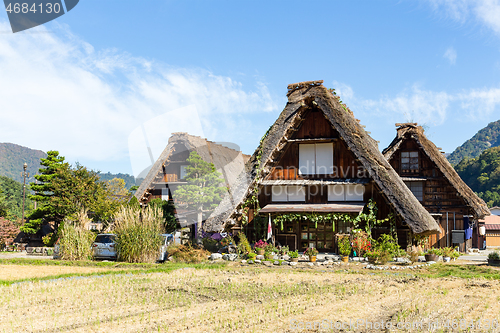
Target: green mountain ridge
pixel 488 137
pixel 13 156
pixel 482 174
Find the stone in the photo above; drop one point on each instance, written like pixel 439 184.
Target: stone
pixel 215 256
pixel 230 256
pixel 257 261
pixel 284 263
pixel 276 257
pixel 267 263
pixel 250 262
pixel 286 257
pixel 276 262
pixel 244 261
pixel 310 264
pixel 260 257
pixel 292 263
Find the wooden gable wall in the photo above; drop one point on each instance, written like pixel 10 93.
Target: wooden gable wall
pixel 440 196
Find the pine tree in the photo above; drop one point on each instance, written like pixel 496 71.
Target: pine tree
pixel 49 207
pixel 203 190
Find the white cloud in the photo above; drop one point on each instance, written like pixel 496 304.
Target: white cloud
pixel 58 92
pixel 425 106
pixel 451 55
pixel 487 12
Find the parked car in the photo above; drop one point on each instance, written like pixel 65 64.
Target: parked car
pixel 104 247
pixel 167 239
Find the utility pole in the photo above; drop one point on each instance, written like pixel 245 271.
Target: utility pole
pixel 24 174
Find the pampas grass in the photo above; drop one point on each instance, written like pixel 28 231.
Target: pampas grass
pixel 138 234
pixel 75 239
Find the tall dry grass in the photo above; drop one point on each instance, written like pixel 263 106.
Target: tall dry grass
pixel 138 234
pixel 75 242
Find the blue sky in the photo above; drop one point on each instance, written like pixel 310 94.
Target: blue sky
pixel 92 82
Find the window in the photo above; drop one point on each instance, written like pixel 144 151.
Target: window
pixel 417 188
pixel 409 161
pixel 316 159
pixel 164 194
pixel 289 193
pixel 183 171
pixel 350 192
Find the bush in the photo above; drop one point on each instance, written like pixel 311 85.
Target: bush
pixel 494 255
pixel 75 242
pixel 243 245
pixel 293 254
pixel 385 249
pixel 138 234
pixel 210 244
pixel 187 253
pixel 361 242
pixel 345 246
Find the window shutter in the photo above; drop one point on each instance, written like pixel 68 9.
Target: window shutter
pixel 296 193
pixel 336 193
pixel 279 193
pixel 324 158
pixel 307 159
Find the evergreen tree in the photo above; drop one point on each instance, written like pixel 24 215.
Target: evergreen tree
pixel 63 190
pixel 168 209
pixel 203 190
pixel 50 208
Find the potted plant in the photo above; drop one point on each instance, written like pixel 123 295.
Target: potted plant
pixel 494 258
pixel 311 252
pixel 372 256
pixel 259 247
pixel 447 253
pixel 268 255
pixel 432 254
pixel 345 248
pixel 251 256
pixel 294 256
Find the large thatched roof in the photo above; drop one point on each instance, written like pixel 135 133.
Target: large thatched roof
pixel 229 162
pixel 302 97
pixel 411 131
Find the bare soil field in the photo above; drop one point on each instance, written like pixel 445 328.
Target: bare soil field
pixel 255 299
pixel 18 272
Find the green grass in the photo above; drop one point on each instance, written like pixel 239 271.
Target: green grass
pixel 461 271
pixel 115 268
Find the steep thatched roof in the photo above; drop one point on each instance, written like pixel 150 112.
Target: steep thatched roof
pixel 411 131
pixel 302 97
pixel 229 162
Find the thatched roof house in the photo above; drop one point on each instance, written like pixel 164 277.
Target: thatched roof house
pixel 167 171
pixel 411 132
pixel 304 98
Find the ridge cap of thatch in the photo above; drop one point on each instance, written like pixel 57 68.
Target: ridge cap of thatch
pixel 417 133
pixel 303 96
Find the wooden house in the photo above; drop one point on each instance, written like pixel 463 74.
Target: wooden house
pixel 317 159
pixel 436 185
pixel 168 172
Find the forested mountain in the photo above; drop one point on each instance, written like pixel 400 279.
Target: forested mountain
pixel 129 180
pixel 482 174
pixel 11 199
pixel 488 137
pixel 12 158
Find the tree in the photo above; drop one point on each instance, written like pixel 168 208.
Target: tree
pixel 4 208
pixel 203 190
pixel 168 209
pixel 64 190
pixel 12 193
pixel 49 207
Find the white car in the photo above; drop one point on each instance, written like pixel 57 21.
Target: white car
pixel 104 247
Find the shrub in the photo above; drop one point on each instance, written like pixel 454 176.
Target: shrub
pixel 252 256
pixel 243 245
pixel 211 244
pixel 361 243
pixel 345 246
pixel 75 241
pixel 293 254
pixel 284 250
pixel 311 252
pixel 187 253
pixel 412 254
pixel 435 251
pixel 138 234
pixel 494 255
